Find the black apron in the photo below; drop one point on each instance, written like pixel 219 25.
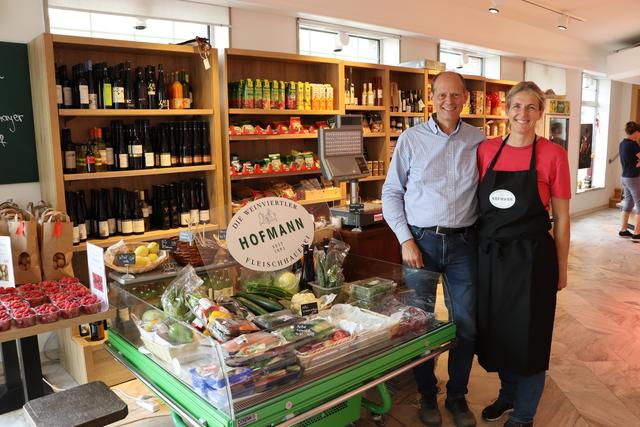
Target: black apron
pixel 518 272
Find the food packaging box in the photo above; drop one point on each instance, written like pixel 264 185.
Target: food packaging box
pixel 371 289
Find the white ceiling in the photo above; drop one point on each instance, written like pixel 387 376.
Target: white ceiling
pixel 609 25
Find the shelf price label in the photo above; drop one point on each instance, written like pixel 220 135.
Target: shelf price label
pixel 308 309
pixel 356 208
pixel 97 273
pixel 186 236
pixel 169 245
pixel 126 259
pixel 302 328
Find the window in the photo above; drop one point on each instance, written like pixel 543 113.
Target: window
pixel 108 26
pixel 594 121
pixel 318 42
pixel 463 63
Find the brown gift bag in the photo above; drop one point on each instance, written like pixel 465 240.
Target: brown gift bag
pixel 22 229
pixel 56 245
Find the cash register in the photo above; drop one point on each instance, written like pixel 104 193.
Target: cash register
pixel 341 152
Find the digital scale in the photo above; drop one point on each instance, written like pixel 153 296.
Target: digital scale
pixel 341 153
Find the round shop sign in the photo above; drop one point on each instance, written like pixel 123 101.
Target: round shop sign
pixel 502 199
pixel 268 234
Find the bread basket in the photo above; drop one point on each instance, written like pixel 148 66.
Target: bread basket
pixel 120 248
pixel 201 251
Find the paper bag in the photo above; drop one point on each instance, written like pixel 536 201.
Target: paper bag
pixel 56 245
pixel 22 229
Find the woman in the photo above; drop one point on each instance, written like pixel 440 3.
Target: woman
pixel 630 159
pixel 521 266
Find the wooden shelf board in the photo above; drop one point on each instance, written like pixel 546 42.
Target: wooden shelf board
pixel 257 111
pixel 401 114
pixel 496 117
pixel 374 135
pixel 472 116
pixel 314 201
pixel 399 69
pixel 273 175
pixel 374 178
pixel 149 235
pixel 120 45
pixel 365 107
pixel 271 137
pixel 138 172
pixel 278 57
pixel 73 112
pixel 395 134
pixel 17 333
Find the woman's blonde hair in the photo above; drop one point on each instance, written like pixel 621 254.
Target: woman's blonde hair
pixel 530 87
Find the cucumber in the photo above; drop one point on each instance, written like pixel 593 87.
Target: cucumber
pixel 269 290
pixel 255 309
pixel 263 302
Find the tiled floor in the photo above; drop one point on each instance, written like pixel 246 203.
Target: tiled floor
pixel 594 378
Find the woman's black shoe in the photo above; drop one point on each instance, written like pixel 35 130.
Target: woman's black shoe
pixel 625 233
pixel 513 423
pixel 496 410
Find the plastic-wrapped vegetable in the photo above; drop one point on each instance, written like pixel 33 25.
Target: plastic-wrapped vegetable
pixel 175 297
pixel 329 265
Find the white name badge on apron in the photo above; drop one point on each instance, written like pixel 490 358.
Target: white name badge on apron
pixel 502 199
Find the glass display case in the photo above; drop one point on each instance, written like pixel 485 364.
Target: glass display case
pixel 215 363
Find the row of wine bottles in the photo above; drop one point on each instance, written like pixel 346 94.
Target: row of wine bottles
pixel 124 212
pixel 138 146
pixel 100 86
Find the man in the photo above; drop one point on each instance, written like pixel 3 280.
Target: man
pixel 429 201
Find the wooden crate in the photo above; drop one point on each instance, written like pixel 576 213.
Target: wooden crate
pixel 88 361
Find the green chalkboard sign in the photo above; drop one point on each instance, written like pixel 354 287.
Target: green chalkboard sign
pixel 18 161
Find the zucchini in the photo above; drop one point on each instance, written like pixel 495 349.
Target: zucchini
pixel 268 289
pixel 263 302
pixel 255 309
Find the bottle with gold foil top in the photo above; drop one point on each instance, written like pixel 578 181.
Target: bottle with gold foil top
pixel 175 93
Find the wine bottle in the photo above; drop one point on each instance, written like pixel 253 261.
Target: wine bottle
pixel 136 160
pixel 308 272
pixel 81 212
pixel 91 83
pixel 146 210
pixel 117 209
pixel 105 135
pixel 129 87
pixel 165 146
pixel 111 218
pixel 186 154
pixel 101 150
pixel 173 206
pixel 102 217
pixel 187 92
pixel 125 214
pixel 136 213
pixel 203 202
pixel 185 214
pixel 149 154
pixel 204 141
pixel 71 211
pixel 141 90
pixel 161 90
pixel 164 208
pixel 175 93
pixel 69 151
pixel 152 97
pixel 90 159
pixel 194 211
pixel 106 89
pixel 196 142
pixel 119 100
pixel 173 144
pixel 83 88
pixel 59 99
pixel 121 151
pixel 67 91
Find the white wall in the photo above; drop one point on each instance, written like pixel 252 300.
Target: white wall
pixel 263 31
pixel 412 49
pixel 511 68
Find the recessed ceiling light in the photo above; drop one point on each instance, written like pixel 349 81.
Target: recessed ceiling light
pixel 493 9
pixel 563 23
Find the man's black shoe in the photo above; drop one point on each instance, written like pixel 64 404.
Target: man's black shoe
pixel 512 423
pixel 429 413
pixel 462 415
pixel 625 233
pixel 496 410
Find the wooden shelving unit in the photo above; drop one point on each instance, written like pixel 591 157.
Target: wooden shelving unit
pixel 247 64
pixel 47 50
pixel 365 108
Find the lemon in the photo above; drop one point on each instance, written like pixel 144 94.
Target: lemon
pixel 141 251
pixel 141 261
pixel 153 257
pixel 153 247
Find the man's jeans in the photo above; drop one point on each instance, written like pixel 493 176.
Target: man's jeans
pixel 453 256
pixel 523 393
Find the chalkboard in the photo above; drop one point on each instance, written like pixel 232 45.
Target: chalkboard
pixel 18 161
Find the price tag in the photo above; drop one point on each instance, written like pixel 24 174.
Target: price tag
pixel 186 236
pixel 97 273
pixel 126 259
pixel 168 245
pixel 310 308
pixel 206 64
pixel 356 208
pixel 6 263
pixel 222 234
pixel 301 328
